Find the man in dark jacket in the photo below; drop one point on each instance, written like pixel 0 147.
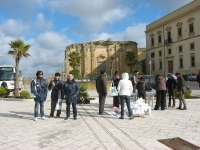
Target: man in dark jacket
pixel 71 90
pixel 4 84
pixel 171 86
pixel 101 86
pixel 56 87
pixel 180 89
pixel 40 89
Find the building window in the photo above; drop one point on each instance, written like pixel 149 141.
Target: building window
pixel 192 46
pixel 181 62
pixel 180 49
pixel 192 61
pixel 191 27
pixel 169 51
pixel 179 31
pixel 160 53
pixel 169 37
pixel 152 41
pixel 160 65
pixel 159 39
pixel 152 55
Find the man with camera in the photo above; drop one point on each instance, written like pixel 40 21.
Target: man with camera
pixel 39 89
pixel 56 87
pixel 71 90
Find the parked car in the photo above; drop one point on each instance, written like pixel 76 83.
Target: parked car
pixel 191 76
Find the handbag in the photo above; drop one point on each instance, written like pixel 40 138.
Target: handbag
pixel 113 91
pixel 59 102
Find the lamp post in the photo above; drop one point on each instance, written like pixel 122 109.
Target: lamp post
pixel 150 67
pixel 117 63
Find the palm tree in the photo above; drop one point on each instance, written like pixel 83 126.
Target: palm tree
pixel 74 60
pixel 130 59
pixel 19 49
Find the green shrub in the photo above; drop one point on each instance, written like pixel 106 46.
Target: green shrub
pixel 83 91
pixel 24 95
pixel 4 92
pixel 76 73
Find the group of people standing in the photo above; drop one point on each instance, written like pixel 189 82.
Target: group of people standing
pixel 162 87
pixel 68 91
pixel 124 88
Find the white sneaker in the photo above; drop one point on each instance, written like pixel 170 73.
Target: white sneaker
pixel 35 119
pixel 43 118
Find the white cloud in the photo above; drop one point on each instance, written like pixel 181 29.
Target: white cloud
pixel 94 14
pixel 42 24
pixel 14 28
pixel 135 33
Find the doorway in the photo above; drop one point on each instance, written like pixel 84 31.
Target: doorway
pixel 170 67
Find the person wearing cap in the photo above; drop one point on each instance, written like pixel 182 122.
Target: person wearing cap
pixel 171 86
pixel 56 87
pixel 39 88
pixel 180 87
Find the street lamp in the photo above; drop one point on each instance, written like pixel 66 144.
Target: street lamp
pixel 150 67
pixel 117 63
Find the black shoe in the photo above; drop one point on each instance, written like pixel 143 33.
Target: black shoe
pixel 75 118
pixel 122 117
pixel 184 108
pixel 50 116
pixel 178 107
pixel 155 108
pixel 57 116
pixel 66 118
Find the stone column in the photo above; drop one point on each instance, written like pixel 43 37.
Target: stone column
pixel 92 49
pixel 108 60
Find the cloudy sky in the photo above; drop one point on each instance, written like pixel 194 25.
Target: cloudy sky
pixel 51 25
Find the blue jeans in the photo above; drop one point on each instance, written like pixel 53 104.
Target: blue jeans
pixel 37 103
pixel 127 99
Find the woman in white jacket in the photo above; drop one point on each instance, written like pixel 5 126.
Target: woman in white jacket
pixel 125 89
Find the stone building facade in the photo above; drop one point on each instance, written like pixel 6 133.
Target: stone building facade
pixel 96 56
pixel 172 42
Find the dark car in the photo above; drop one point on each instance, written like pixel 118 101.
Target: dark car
pixel 150 80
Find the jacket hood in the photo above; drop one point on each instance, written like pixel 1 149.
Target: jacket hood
pixel 125 76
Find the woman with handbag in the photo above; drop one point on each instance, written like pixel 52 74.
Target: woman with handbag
pixel 115 83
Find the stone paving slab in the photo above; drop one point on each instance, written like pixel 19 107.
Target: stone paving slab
pixel 93 131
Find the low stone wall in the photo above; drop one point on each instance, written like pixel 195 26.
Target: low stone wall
pixel 92 85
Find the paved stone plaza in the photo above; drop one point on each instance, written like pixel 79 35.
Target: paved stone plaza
pixel 92 131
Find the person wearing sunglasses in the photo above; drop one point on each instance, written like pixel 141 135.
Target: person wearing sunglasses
pixel 40 89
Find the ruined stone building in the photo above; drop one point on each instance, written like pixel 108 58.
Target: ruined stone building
pixel 96 56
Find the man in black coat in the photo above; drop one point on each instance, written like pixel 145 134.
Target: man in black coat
pixel 56 87
pixel 171 86
pixel 71 90
pixel 101 86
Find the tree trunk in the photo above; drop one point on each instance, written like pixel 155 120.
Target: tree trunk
pixel 16 84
